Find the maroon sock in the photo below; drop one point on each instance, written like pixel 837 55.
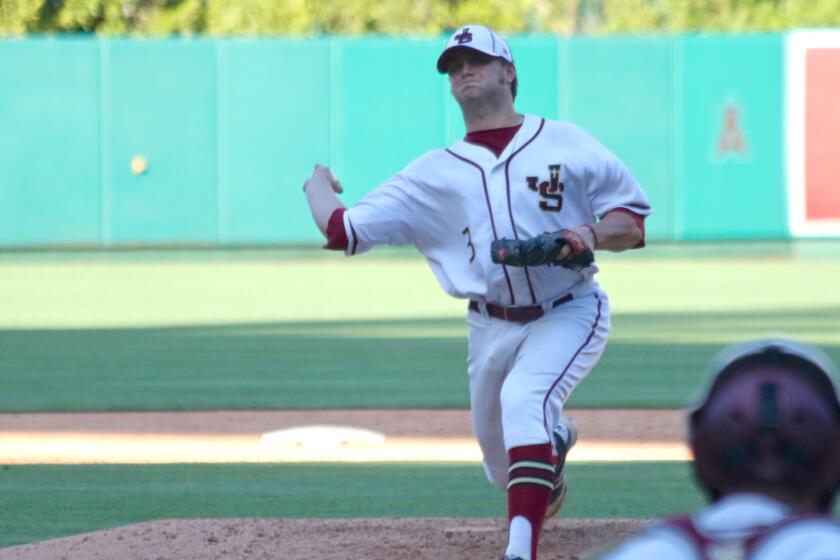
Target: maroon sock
pixel 530 482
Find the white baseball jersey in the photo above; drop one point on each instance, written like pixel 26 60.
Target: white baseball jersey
pixel 452 203
pixel 738 527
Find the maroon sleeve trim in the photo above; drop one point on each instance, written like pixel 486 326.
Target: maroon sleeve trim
pixel 355 238
pixel 336 234
pixel 638 219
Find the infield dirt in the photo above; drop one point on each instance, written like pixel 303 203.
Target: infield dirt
pixel 337 539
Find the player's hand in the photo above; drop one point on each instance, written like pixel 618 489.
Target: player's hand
pixel 584 233
pixel 324 175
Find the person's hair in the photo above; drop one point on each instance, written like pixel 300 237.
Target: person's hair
pixel 514 85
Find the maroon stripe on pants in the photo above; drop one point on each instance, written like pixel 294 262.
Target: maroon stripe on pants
pixel 571 361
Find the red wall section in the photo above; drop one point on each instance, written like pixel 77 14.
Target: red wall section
pixel 822 134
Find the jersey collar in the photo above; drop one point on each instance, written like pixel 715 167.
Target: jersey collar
pixel 741 511
pixel 486 158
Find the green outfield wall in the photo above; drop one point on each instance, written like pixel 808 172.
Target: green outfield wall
pixel 231 128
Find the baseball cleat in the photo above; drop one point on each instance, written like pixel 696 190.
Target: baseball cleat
pixel 565 437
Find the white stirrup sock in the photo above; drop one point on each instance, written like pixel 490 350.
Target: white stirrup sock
pixel 519 543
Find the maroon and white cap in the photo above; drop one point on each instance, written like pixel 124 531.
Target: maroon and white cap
pixel 476 37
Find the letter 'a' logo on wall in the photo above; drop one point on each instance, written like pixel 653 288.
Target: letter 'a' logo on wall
pixel 464 36
pixel 731 140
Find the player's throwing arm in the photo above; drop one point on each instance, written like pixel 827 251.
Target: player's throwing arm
pixel 321 189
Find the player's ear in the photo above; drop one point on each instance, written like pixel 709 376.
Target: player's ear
pixel 512 78
pixel 510 72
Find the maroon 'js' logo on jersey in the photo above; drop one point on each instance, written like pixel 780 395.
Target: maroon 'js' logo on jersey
pixel 550 190
pixel 464 36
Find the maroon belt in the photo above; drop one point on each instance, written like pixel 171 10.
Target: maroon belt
pixel 517 314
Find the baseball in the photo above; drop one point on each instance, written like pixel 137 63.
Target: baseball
pixel 139 165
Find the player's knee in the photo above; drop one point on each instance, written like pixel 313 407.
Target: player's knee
pixel 497 474
pixel 517 399
pixel 523 421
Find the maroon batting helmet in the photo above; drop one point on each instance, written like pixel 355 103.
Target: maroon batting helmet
pixel 769 421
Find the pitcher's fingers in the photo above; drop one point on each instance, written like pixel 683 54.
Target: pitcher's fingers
pixel 334 182
pixel 564 253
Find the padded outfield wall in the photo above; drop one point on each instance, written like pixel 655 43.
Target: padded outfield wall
pixel 230 129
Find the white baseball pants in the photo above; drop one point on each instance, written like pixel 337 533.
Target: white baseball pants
pixel 521 374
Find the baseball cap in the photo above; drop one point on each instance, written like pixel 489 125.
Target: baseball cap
pixel 476 37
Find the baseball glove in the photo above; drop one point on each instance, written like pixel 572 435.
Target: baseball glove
pixel 543 250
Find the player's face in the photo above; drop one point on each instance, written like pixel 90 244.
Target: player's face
pixel 473 75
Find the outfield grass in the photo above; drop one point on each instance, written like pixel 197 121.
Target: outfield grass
pixel 652 360
pixel 112 332
pixel 40 502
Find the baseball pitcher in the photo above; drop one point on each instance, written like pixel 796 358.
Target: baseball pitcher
pixel 508 219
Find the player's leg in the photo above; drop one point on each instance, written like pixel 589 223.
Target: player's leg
pixel 558 352
pixel 492 349
pixel 566 371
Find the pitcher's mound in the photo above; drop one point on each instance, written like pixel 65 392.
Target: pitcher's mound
pixel 324 539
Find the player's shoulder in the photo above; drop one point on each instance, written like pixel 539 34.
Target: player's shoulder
pixel 429 169
pixel 428 161
pixel 800 538
pixel 565 130
pixel 578 144
pixel 661 540
pixel 556 124
pixel 823 524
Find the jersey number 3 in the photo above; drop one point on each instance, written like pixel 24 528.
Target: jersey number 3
pixel 551 190
pixel 470 245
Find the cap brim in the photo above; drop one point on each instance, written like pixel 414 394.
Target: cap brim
pixel 443 59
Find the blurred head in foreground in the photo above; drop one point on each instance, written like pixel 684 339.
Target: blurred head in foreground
pixel 766 441
pixel 769 422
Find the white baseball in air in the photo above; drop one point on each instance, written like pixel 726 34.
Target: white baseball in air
pixel 139 165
